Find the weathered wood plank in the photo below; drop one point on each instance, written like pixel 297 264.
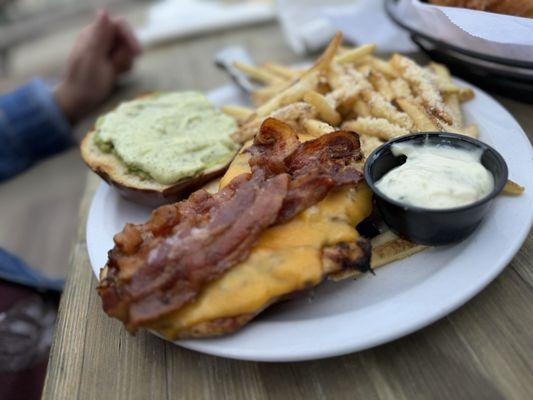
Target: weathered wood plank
pixel 198 376
pixel 143 355
pixel 434 363
pixel 66 355
pixel 497 326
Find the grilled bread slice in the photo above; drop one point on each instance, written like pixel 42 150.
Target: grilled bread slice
pixel 144 189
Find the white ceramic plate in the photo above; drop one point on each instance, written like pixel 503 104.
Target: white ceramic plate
pixel 340 318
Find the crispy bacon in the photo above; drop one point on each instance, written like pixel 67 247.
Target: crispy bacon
pixel 316 167
pixel 272 145
pixel 158 267
pixel 171 269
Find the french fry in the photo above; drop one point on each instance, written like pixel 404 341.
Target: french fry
pixel 381 108
pixel 346 78
pixel 212 186
pixel 382 66
pixel 369 144
pixel 512 188
pixel 355 55
pixel 452 101
pixel 345 108
pixel 316 128
pixel 326 58
pixel 423 86
pixel 258 74
pixel 441 71
pixel 247 130
pixel 470 130
pixel 291 95
pixel 400 88
pixel 241 114
pixel 308 81
pixel 323 107
pixel 347 86
pixel 262 95
pixel 383 238
pixel 381 85
pixel 282 71
pixel 343 49
pixel 445 85
pixel 361 108
pixel 349 114
pixel 364 69
pixel 323 86
pixel 421 120
pixel 378 127
pixel 337 76
pixel 463 94
pixel 292 114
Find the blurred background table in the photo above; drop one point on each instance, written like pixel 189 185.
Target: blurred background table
pixel 483 350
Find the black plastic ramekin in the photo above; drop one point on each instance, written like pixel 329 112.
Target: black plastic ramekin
pixel 433 226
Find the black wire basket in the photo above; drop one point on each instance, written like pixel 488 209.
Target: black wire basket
pixel 508 77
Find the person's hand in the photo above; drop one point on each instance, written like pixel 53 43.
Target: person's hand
pixel 103 50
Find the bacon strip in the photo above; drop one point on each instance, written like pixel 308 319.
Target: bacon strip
pixel 158 267
pixel 315 166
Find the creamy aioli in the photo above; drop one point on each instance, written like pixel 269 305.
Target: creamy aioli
pixel 168 136
pixel 436 177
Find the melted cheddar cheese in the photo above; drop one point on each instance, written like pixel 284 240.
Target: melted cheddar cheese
pixel 286 258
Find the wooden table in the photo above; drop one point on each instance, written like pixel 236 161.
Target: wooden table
pixel 483 350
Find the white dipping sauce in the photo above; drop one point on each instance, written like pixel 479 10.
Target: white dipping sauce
pixel 436 177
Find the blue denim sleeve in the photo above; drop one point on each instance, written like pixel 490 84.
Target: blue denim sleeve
pixel 13 269
pixel 32 127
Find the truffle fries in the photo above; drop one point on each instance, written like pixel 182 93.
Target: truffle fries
pixel 352 89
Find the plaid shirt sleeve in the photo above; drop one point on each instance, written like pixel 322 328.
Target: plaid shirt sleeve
pixel 32 127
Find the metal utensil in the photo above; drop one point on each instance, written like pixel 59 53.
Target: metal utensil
pixel 225 60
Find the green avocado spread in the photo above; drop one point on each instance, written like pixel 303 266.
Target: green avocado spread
pixel 167 136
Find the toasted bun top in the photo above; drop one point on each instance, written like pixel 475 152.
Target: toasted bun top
pixel 143 191
pixel 113 167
